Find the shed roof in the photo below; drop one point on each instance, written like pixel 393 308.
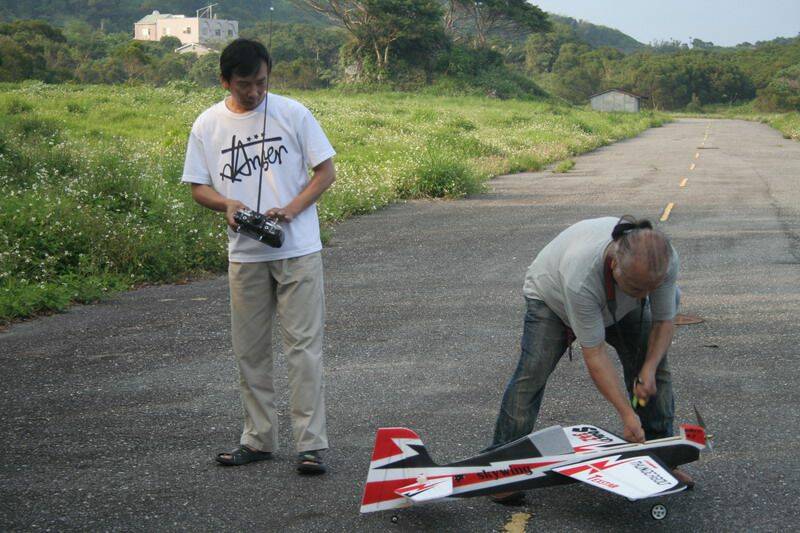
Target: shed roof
pixel 619 91
pixel 193 46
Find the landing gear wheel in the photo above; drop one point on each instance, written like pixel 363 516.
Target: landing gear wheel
pixel 658 511
pixel 395 519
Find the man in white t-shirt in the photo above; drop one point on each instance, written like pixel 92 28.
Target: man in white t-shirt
pixel 234 163
pixel 600 280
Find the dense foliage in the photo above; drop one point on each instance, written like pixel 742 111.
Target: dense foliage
pixel 503 48
pixel 670 74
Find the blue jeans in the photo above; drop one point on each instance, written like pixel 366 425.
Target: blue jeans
pixel 544 341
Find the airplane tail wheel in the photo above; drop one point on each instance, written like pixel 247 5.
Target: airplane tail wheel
pixel 395 519
pixel 658 511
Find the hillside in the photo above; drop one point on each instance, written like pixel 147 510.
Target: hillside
pixel 119 16
pixel 598 36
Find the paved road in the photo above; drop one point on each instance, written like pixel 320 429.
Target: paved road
pixel 112 413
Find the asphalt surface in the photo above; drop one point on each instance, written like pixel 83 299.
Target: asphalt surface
pixel 112 413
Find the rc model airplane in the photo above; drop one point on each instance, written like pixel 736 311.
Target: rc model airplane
pixel 401 473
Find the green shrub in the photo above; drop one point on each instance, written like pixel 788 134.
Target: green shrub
pixel 32 126
pixel 15 106
pixel 524 163
pixel 441 175
pixel 74 107
pixel 564 166
pixel 783 91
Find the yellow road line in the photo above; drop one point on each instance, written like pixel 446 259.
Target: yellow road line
pixel 517 523
pixel 667 211
pixel 683 182
pixel 691 167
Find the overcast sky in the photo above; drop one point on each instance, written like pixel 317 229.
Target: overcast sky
pixel 724 22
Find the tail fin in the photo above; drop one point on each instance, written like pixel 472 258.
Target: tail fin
pixel 695 434
pixel 397 455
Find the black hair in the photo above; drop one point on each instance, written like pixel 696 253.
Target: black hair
pixel 627 224
pixel 243 57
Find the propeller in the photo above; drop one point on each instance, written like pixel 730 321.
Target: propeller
pixel 702 424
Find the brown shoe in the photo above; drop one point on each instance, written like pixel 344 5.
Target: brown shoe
pixel 513 499
pixel 684 478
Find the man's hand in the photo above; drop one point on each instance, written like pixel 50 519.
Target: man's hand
pixel 231 207
pixel 632 431
pixel 604 376
pixel 281 214
pixel 323 177
pixel 644 385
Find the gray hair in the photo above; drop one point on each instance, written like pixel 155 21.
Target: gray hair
pixel 639 242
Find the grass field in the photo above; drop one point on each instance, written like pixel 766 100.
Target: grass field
pixel 92 197
pixel 787 123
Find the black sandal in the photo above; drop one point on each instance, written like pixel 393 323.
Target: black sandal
pixel 310 463
pixel 241 456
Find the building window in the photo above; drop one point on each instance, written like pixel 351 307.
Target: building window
pixel 230 33
pixel 218 33
pixel 188 30
pixel 146 32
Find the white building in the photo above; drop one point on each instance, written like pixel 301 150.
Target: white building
pixel 200 30
pixel 616 100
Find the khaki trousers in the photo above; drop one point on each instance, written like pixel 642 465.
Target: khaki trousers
pixel 292 288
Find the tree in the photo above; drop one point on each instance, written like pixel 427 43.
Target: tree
pixel 169 43
pixel 700 44
pixel 37 52
pixel 486 16
pixel 171 67
pixel 205 71
pixel 134 57
pixel 668 46
pixel 542 48
pixel 17 63
pixel 579 72
pixel 317 48
pixel 377 25
pixel 783 92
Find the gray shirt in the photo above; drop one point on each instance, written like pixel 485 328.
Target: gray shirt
pixel 567 275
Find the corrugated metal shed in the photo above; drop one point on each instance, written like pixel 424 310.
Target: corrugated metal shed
pixel 616 100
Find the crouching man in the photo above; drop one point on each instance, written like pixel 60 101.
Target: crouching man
pixel 600 280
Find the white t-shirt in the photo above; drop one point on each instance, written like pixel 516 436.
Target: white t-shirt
pixel 569 276
pixel 224 151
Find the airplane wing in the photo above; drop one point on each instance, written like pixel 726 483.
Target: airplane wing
pixel 424 491
pixel 586 438
pixel 634 477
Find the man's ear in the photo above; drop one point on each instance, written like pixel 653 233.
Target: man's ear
pixel 225 83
